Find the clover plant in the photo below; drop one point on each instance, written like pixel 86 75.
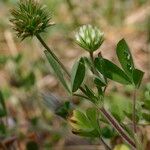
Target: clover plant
pixel 30 19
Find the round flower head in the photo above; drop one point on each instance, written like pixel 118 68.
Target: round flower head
pixel 29 18
pixel 90 38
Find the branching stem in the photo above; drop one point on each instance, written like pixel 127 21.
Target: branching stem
pixel 117 126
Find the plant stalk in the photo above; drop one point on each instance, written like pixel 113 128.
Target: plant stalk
pixel 92 57
pixel 105 144
pixel 117 126
pixel 134 112
pixel 92 67
pixel 53 55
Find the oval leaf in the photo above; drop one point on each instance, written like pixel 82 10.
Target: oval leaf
pixel 99 82
pixel 137 77
pixel 77 75
pixel 111 71
pixel 125 57
pixel 57 69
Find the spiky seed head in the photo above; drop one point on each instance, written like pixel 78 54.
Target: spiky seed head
pixel 89 37
pixel 29 18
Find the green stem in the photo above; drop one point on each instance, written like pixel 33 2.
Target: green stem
pixel 92 57
pixel 101 139
pixel 92 67
pixel 134 111
pixel 117 126
pixel 53 55
pixel 105 144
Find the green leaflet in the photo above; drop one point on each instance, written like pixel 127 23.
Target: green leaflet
pixel 107 132
pixel 99 82
pixel 89 93
pixel 84 123
pixel 57 69
pixel 125 57
pixel 137 77
pixel 77 74
pixel 111 71
pixel 126 61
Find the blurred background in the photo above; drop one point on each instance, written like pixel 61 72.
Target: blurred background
pixel 26 77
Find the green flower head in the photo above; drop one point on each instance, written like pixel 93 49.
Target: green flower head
pixel 29 18
pixel 90 38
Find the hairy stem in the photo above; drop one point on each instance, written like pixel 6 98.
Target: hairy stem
pixel 53 55
pixel 117 126
pixel 134 111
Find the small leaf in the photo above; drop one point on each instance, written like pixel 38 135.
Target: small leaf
pixel 92 115
pixel 79 120
pixel 78 74
pixel 3 111
pixel 57 69
pixel 100 91
pixel 137 77
pixel 87 62
pixel 107 132
pixel 111 71
pixel 89 93
pixel 125 57
pixel 84 123
pixel 98 82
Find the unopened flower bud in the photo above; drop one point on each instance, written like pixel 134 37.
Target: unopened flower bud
pixel 90 38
